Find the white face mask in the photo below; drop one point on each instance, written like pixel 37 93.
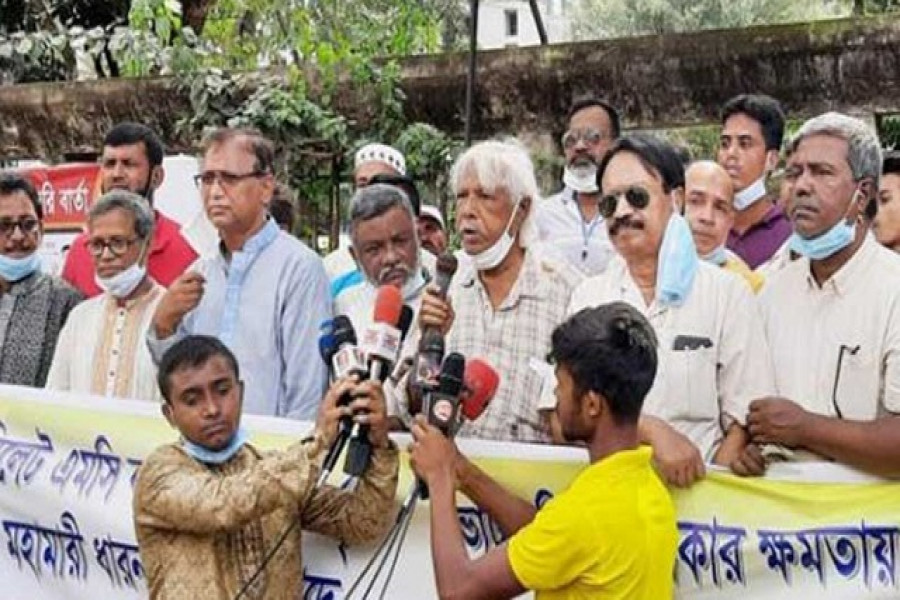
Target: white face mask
pixel 123 283
pixel 491 257
pixel 581 178
pixel 750 194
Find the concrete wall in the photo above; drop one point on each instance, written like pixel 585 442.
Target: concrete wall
pixel 657 81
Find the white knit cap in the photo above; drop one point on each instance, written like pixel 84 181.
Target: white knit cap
pixel 380 153
pixel 431 212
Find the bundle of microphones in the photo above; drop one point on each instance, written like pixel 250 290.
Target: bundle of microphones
pixel 452 390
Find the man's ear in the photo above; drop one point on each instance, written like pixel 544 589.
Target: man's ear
pixel 166 409
pixel 771 161
pixel 593 404
pixel 157 176
pixel 353 255
pixel 678 200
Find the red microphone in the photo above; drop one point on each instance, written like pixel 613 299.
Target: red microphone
pixel 480 383
pixel 381 341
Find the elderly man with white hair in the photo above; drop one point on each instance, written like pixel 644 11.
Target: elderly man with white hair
pixel 505 300
pixel 832 316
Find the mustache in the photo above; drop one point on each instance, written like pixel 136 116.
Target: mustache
pixel 625 222
pixel 389 271
pixel 583 160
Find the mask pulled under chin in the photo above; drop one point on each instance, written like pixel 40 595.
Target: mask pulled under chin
pixel 216 457
pixel 16 269
pixel 831 242
pixel 581 179
pixel 750 194
pixel 491 257
pixel 123 283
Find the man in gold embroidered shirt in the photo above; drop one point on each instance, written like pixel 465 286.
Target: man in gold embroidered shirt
pixel 209 509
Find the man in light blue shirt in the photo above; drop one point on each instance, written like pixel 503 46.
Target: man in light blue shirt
pixel 263 294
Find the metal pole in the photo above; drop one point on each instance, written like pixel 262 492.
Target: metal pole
pixel 539 23
pixel 473 65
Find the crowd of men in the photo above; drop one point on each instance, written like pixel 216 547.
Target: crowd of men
pixel 733 324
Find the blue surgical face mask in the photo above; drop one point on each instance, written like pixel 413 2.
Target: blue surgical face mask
pixel 15 269
pixel 677 264
pixel 216 457
pixel 750 194
pixel 718 257
pixel 831 242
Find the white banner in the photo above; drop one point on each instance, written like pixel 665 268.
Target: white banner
pixel 67 467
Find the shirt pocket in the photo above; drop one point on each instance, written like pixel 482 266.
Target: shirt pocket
pixel 692 384
pixel 855 388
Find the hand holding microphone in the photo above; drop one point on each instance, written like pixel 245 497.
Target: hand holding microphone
pixel 436 311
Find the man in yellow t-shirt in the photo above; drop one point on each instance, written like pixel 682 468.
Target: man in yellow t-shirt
pixel 612 533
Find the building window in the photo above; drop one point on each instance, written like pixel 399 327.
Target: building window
pixel 512 22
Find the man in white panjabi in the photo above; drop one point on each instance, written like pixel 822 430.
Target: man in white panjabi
pixel 102 348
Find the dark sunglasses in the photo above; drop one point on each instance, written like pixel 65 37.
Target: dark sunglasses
pixel 636 196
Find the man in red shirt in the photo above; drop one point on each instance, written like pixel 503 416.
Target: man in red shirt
pixel 132 160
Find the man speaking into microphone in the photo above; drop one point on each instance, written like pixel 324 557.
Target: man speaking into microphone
pixel 612 533
pixel 217 518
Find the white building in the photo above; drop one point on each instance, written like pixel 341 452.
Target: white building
pixel 509 23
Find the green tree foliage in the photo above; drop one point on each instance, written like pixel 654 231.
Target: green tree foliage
pixel 598 19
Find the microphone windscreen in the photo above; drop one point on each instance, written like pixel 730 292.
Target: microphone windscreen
pixel 388 305
pixel 452 374
pixel 406 319
pixel 445 269
pixel 343 331
pixel 481 383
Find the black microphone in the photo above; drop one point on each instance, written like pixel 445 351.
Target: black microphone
pixel 442 405
pixel 430 354
pixel 346 360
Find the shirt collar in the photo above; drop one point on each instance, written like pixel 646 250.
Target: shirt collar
pixel 257 242
pixel 769 220
pixel 528 283
pixel 623 460
pixel 845 278
pixel 26 285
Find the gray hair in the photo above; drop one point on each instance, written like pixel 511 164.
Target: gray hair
pixel 501 165
pixel 376 199
pixel 863 148
pixel 129 202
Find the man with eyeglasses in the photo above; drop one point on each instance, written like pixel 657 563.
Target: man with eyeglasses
pixel 713 356
pixel 832 316
pixel 34 306
pixel 263 294
pixel 568 223
pixel 132 160
pixel 102 348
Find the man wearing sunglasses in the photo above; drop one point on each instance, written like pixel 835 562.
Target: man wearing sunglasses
pixel 132 160
pixel 263 294
pixel 832 316
pixel 33 306
pixel 101 349
pixel 568 223
pixel 713 356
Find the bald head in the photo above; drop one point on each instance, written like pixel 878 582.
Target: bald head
pixel 708 204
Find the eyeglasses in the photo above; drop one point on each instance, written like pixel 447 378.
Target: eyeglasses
pixel 117 246
pixel 851 350
pixel 28 226
pixel 636 196
pixel 226 179
pixel 590 136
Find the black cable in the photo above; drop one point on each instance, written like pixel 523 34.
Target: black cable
pixel 390 575
pixel 268 557
pixel 391 534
